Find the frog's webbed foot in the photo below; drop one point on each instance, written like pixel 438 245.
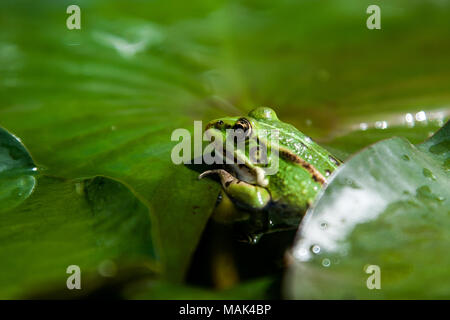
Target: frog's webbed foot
pixel 251 196
pixel 224 175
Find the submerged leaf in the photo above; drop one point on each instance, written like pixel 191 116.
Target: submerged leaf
pixel 258 289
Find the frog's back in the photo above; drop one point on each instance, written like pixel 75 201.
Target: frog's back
pixel 295 146
pixel 303 164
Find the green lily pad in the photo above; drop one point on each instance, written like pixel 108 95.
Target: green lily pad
pixel 97 224
pixel 387 206
pixel 17 171
pixel 86 106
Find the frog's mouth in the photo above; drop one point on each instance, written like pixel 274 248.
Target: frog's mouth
pixel 252 175
pixel 236 164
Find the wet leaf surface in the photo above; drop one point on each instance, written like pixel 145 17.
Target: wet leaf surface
pixel 96 224
pixel 387 206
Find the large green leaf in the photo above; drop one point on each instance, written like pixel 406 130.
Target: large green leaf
pixel 91 109
pixel 387 206
pixel 96 224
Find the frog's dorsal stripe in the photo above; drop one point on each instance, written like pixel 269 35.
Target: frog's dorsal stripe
pixel 308 145
pixel 292 157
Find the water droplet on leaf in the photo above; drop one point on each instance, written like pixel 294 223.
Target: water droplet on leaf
pixel 427 173
pixel 326 262
pixel 315 249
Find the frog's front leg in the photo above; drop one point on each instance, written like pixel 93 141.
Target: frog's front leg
pixel 250 196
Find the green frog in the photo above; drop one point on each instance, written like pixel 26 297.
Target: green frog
pixel 268 185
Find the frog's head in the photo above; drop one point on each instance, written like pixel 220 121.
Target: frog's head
pixel 244 144
pixel 266 167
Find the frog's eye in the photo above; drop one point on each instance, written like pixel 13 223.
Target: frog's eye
pixel 244 125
